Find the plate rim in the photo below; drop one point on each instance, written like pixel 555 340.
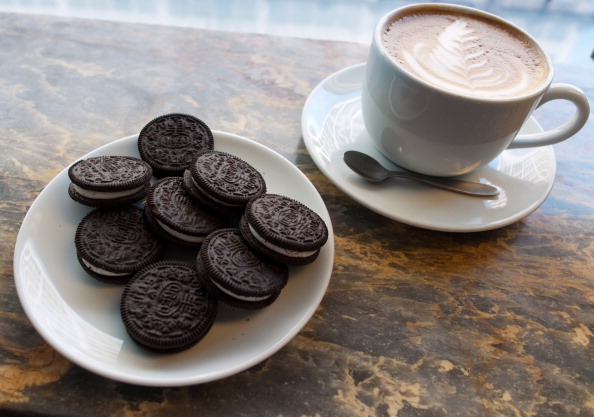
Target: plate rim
pixel 343 186
pixel 112 372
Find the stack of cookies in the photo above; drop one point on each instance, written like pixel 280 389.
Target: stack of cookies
pixel 213 202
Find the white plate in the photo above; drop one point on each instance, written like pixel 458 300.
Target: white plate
pixel 332 124
pixel 80 317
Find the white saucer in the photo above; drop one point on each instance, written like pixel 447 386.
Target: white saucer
pixel 332 124
pixel 80 317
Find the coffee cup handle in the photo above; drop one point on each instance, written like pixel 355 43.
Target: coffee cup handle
pixel 566 130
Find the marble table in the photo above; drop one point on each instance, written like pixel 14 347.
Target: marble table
pixel 414 322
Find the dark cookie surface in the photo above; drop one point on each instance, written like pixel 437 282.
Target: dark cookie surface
pixel 110 173
pixel 115 241
pixel 225 181
pixel 171 143
pixel 200 198
pixel 286 222
pixel 169 203
pixel 165 309
pixel 120 179
pixel 279 255
pixel 248 280
pixel 110 202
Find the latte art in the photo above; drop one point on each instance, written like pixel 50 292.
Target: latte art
pixel 466 55
pixel 457 62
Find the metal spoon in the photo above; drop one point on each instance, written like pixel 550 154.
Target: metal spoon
pixel 373 171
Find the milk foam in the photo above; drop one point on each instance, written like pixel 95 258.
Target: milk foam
pixel 466 55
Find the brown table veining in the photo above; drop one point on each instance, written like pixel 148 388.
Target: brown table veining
pixel 414 322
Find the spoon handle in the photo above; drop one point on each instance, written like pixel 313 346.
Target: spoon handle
pixel 459 186
pixel 372 170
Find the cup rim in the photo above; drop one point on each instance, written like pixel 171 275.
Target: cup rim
pixel 377 39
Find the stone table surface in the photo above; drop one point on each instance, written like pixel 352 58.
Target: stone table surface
pixel 414 322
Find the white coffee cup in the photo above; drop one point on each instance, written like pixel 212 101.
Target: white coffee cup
pixel 416 107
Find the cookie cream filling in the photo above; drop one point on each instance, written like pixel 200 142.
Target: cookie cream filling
pixel 102 271
pixel 179 235
pixel 213 198
pixel 105 195
pixel 239 297
pixel 278 249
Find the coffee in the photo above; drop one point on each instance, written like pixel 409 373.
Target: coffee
pixel 447 88
pixel 466 54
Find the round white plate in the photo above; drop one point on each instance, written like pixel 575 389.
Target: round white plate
pixel 80 318
pixel 332 124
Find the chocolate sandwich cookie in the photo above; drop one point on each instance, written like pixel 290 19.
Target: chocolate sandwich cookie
pixel 105 181
pixel 236 275
pixel 113 244
pixel 283 229
pixel 173 215
pixel 165 309
pixel 171 143
pixel 223 182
